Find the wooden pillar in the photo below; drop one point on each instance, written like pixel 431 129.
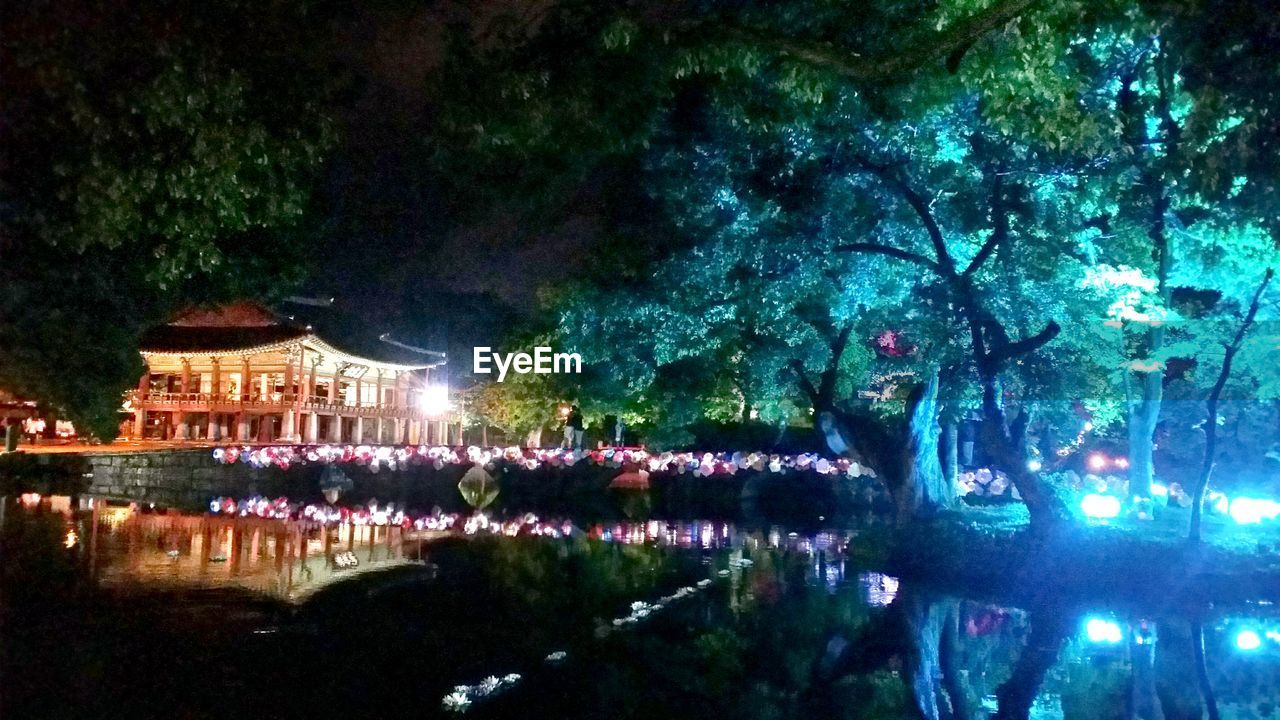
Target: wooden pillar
pixel 140 410
pixel 377 404
pixel 335 427
pixel 242 426
pixel 358 437
pixel 313 419
pixel 288 397
pixel 400 399
pixel 215 391
pixel 183 429
pixel 215 376
pixel 245 379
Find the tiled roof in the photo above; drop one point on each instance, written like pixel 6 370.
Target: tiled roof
pixel 247 325
pixel 188 338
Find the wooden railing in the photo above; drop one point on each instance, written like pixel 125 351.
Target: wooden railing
pixel 275 402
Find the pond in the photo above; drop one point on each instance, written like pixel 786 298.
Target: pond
pixel 650 619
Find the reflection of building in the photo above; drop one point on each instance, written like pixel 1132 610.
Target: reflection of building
pixel 241 373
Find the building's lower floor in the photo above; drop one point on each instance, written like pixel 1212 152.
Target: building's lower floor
pixel 279 427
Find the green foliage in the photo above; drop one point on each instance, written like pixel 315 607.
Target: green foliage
pixel 143 171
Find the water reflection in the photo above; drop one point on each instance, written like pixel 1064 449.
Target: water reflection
pixel 620 620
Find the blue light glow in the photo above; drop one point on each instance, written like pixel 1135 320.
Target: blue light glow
pixel 1248 640
pixel 1100 506
pixel 1250 511
pixel 1103 632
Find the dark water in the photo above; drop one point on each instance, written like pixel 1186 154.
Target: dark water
pixel 650 620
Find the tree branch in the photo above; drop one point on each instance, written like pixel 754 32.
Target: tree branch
pixel 888 250
pixel 806 385
pixel 1000 355
pixel 999 226
pixel 925 48
pixel 944 265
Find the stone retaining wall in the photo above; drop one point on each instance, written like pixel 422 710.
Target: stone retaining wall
pixel 188 479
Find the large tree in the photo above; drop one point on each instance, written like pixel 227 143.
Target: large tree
pixel 148 159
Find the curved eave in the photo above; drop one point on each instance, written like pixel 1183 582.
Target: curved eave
pixel 312 341
pixel 315 342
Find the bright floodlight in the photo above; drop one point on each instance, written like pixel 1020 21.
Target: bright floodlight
pixel 1249 511
pixel 1034 465
pixel 1100 506
pixel 1103 632
pixel 434 400
pixel 1248 640
pixel 1097 461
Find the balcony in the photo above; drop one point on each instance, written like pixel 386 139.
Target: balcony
pixel 271 403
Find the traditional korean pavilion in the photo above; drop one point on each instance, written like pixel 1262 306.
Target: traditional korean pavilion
pixel 240 372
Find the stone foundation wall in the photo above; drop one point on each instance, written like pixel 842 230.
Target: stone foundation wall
pixel 188 479
pixel 185 479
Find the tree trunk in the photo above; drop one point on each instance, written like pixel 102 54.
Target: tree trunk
pixel 1005 447
pixel 1049 630
pixel 1211 408
pixel 950 454
pixel 924 489
pixel 1143 417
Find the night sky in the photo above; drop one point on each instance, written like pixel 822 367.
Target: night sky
pixel 398 246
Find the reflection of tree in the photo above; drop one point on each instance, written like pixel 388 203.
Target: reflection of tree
pixel 1174 665
pixel 933 678
pixel 1202 670
pixel 921 631
pixel 1049 630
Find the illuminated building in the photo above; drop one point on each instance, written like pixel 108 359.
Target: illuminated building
pixel 242 373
